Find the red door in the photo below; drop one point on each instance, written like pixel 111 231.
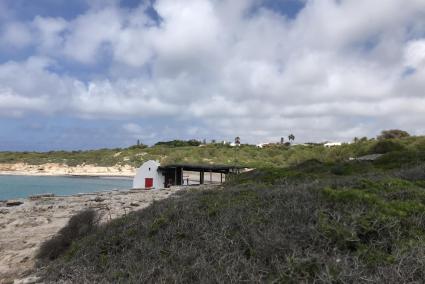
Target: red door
pixel 148 182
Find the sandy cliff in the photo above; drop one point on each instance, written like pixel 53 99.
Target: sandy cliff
pixel 61 169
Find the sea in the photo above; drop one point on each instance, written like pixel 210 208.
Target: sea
pixel 13 187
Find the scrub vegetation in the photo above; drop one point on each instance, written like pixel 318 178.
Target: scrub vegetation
pixel 245 155
pixel 321 220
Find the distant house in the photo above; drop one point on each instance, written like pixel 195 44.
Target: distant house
pixel 270 145
pixel 332 144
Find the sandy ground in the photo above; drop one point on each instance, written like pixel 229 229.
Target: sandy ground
pixel 53 169
pixel 24 227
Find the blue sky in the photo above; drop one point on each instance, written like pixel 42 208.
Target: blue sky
pixel 87 74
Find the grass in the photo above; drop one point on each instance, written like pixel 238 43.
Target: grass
pixel 315 222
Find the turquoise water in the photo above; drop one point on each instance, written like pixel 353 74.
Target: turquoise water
pixel 23 186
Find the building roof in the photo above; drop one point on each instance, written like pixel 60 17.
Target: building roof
pixel 371 157
pixel 200 168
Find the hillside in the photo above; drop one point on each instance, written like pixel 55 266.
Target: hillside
pixel 324 222
pixel 249 156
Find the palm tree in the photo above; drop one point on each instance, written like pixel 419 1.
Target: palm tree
pixel 291 137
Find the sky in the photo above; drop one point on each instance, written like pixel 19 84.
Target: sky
pixel 88 74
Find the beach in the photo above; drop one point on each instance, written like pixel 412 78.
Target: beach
pixel 25 226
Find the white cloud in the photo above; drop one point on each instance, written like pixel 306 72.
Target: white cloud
pixel 337 69
pixel 16 35
pixel 90 32
pixel 415 54
pixel 49 33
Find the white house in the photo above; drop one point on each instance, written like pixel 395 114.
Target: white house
pixel 149 176
pixel 332 144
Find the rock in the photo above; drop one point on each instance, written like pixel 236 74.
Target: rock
pixel 11 203
pixel 134 204
pixel 4 211
pixel 28 280
pixel 39 196
pixel 98 199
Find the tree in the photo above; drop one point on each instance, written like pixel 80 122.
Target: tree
pixel 393 134
pixel 291 137
pixel 179 143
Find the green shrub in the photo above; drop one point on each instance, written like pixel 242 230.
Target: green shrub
pixel 179 143
pixel 78 226
pixel 386 146
pixel 393 134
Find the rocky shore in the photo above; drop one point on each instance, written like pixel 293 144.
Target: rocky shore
pixel 26 223
pixel 54 169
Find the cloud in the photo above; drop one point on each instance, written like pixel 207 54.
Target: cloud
pixel 336 69
pixel 16 35
pixel 415 54
pixel 89 32
pixel 50 33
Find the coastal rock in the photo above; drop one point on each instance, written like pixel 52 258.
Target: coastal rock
pixel 4 211
pixel 40 196
pixel 28 280
pixel 11 203
pixel 98 199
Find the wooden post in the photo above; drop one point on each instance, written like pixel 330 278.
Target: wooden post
pixel 201 177
pixel 221 177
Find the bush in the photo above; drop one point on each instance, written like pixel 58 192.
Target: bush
pixel 413 174
pixel 393 134
pixel 140 146
pixel 400 159
pixel 386 146
pixel 79 226
pixel 179 143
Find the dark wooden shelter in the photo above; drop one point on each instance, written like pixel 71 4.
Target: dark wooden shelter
pixel 174 173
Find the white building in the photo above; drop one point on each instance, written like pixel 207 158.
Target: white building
pixel 149 176
pixel 332 144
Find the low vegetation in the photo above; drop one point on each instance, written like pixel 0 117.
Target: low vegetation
pixel 318 221
pixel 79 226
pixel 246 155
